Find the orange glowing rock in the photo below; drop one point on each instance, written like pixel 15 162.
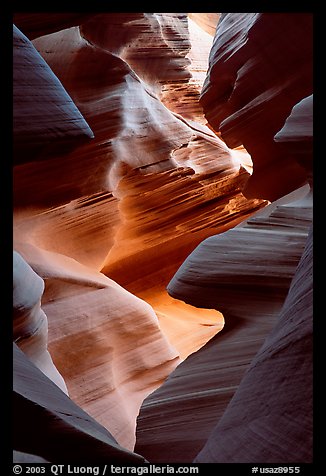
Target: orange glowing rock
pixel 245 273
pixel 106 342
pixel 107 209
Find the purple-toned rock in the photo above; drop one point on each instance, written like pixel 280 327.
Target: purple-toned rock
pixel 34 25
pixel 30 323
pixel 246 273
pixel 260 66
pixel 45 118
pixel 269 419
pixel 297 133
pixel 48 424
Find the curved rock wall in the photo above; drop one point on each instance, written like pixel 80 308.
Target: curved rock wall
pixel 260 67
pixel 246 273
pixel 270 416
pixel 30 324
pixel 56 123
pixel 115 187
pixel 48 425
pixel 105 341
pixel 118 176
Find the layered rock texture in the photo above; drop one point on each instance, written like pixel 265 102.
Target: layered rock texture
pixel 246 273
pixel 276 413
pixel 100 332
pixel 49 426
pixel 30 325
pixel 260 66
pixel 53 107
pixel 145 250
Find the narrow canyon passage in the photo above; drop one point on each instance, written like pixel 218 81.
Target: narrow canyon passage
pixel 177 419
pixel 133 203
pixel 158 221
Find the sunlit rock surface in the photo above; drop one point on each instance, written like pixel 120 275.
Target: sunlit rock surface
pixel 148 169
pixel 50 426
pixel 207 21
pixel 260 67
pixel 30 324
pixel 136 186
pixel 245 273
pixel 163 217
pixel 106 342
pixel 103 206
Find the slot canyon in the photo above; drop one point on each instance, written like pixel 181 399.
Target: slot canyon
pixel 162 235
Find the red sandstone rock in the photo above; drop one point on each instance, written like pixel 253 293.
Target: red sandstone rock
pixel 104 211
pixel 137 199
pixel 106 342
pixel 245 273
pixel 47 424
pixel 260 67
pixel 141 155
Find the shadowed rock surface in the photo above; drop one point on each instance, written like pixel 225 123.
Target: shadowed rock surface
pixel 45 117
pixel 151 184
pixel 47 424
pixel 39 24
pixel 260 67
pixel 30 323
pixel 270 416
pixel 106 225
pixel 246 273
pixel 297 133
pixel 19 457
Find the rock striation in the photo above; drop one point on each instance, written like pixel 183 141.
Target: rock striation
pixel 123 191
pixel 270 416
pixel 118 187
pixel 140 150
pixel 48 425
pixel 260 66
pixel 105 342
pixel 56 123
pixel 30 324
pixel 267 248
pixel 232 400
pixel 245 273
